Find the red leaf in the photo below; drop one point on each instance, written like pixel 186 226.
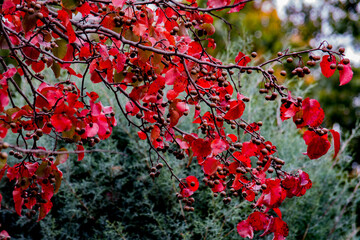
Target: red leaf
pixel 241 59
pixel 313 114
pixel 217 3
pixel 325 65
pixel 141 135
pixel 238 7
pixel 80 155
pixel 210 166
pixel 336 137
pixel 120 61
pixel 236 111
pixel 245 229
pixel 288 111
pixel 258 220
pixel 118 3
pixel 84 9
pixel 253 127
pixel 18 200
pixel 218 146
pixel 201 148
pixel 346 74
pixel 317 147
pixel 38 66
pixel 44 209
pixel 193 183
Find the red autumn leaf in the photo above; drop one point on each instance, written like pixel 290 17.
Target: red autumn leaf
pixel 4 235
pixel 336 137
pixel 142 135
pixel 85 52
pixel 210 166
pixel 217 3
pixel 317 147
pixel 346 74
pixel 120 61
pixel 201 148
pixel 118 3
pixel 218 146
pixel 253 127
pixel 236 111
pixel 288 110
pixel 91 130
pixel 193 183
pixel 258 220
pixel 245 229
pixel 44 209
pixel 238 7
pixel 84 9
pixel 241 59
pixel 325 65
pixel 80 155
pixel 249 149
pixel 4 99
pixel 93 96
pixel 38 66
pixel 18 200
pixel 313 114
pixel 10 72
pixel 233 137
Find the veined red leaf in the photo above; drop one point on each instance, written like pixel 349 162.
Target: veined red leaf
pixel 218 3
pixel 317 147
pixel 336 137
pixel 210 166
pixel 325 65
pixel 346 74
pixel 201 148
pixel 218 146
pixel 141 135
pixel 44 209
pixel 236 111
pixel 118 3
pixel 241 59
pixel 245 229
pixel 238 7
pixel 80 155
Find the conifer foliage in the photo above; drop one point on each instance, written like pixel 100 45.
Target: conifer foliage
pixel 155 54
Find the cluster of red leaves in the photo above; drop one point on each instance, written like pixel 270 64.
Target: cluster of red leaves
pixel 29 177
pixel 308 113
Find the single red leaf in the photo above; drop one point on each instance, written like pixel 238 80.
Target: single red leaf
pixel 44 209
pixel 210 166
pixel 201 148
pixel 80 155
pixel 241 59
pixel 218 146
pixel 218 3
pixel 142 135
pixel 336 137
pixel 238 7
pixel 245 229
pixel 313 114
pixel 325 65
pixel 317 147
pixel 193 183
pixel 258 220
pixel 38 66
pixel 346 74
pixel 236 111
